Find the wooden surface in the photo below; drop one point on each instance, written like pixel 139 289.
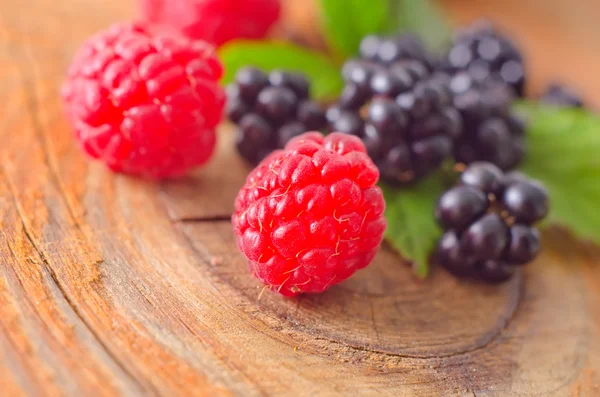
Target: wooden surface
pixel 115 286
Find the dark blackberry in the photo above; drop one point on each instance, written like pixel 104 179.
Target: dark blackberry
pixel 311 115
pixel 526 201
pixel 270 110
pixel 561 96
pixel 250 81
pixel 487 53
pixel 236 107
pixel 288 131
pixel 412 134
pixel 294 81
pixel 449 253
pixel 277 103
pixel 486 238
pixel 524 244
pixel 485 177
pixel 387 50
pixel 491 131
pixel 387 66
pixel 487 222
pixel 348 122
pixel 494 271
pixel 254 136
pixel 460 206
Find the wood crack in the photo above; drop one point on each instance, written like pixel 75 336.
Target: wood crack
pixel 58 284
pixel 507 321
pixel 201 219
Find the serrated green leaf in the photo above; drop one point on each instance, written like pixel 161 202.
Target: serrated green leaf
pixel 424 18
pixel 412 229
pixel 346 22
pixel 563 152
pixel 323 74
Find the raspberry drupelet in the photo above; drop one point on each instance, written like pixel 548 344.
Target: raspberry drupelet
pixel 310 215
pixel 143 104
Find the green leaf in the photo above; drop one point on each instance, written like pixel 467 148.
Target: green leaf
pixel 424 18
pixel 412 229
pixel 323 74
pixel 563 152
pixel 346 22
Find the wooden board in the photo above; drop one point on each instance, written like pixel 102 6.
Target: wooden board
pixel 115 286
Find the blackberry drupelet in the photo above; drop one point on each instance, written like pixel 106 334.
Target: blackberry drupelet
pixel 482 50
pixel 491 131
pixel 488 223
pixel 561 96
pixel 269 110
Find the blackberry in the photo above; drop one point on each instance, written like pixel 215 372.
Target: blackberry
pixel 487 53
pixel 561 96
pixel 387 50
pixel 411 135
pixel 269 110
pixel 403 113
pixel 488 223
pixel 491 131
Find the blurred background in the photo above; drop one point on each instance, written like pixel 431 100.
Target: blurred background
pixel 560 38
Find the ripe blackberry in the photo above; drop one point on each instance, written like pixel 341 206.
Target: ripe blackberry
pixel 561 96
pixel 387 66
pixel 412 134
pixel 388 50
pixel 482 50
pixel 269 110
pixel 487 221
pixel 491 131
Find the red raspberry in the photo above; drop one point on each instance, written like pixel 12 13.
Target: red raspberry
pixel 144 104
pixel 216 21
pixel 310 215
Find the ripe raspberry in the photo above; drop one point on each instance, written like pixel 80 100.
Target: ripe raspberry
pixel 145 105
pixel 215 21
pixel 310 215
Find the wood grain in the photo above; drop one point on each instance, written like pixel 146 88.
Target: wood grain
pixel 115 286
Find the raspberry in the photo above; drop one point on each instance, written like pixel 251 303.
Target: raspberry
pixel 270 110
pixel 488 221
pixel 487 53
pixel 310 215
pixel 145 105
pixel 215 21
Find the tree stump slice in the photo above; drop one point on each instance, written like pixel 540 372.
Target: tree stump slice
pixel 111 285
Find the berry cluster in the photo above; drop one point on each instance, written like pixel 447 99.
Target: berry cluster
pixel 145 104
pixel 412 135
pixel 486 53
pixel 488 221
pixel 491 131
pixel 269 110
pixel 311 215
pixel 561 96
pixel 399 108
